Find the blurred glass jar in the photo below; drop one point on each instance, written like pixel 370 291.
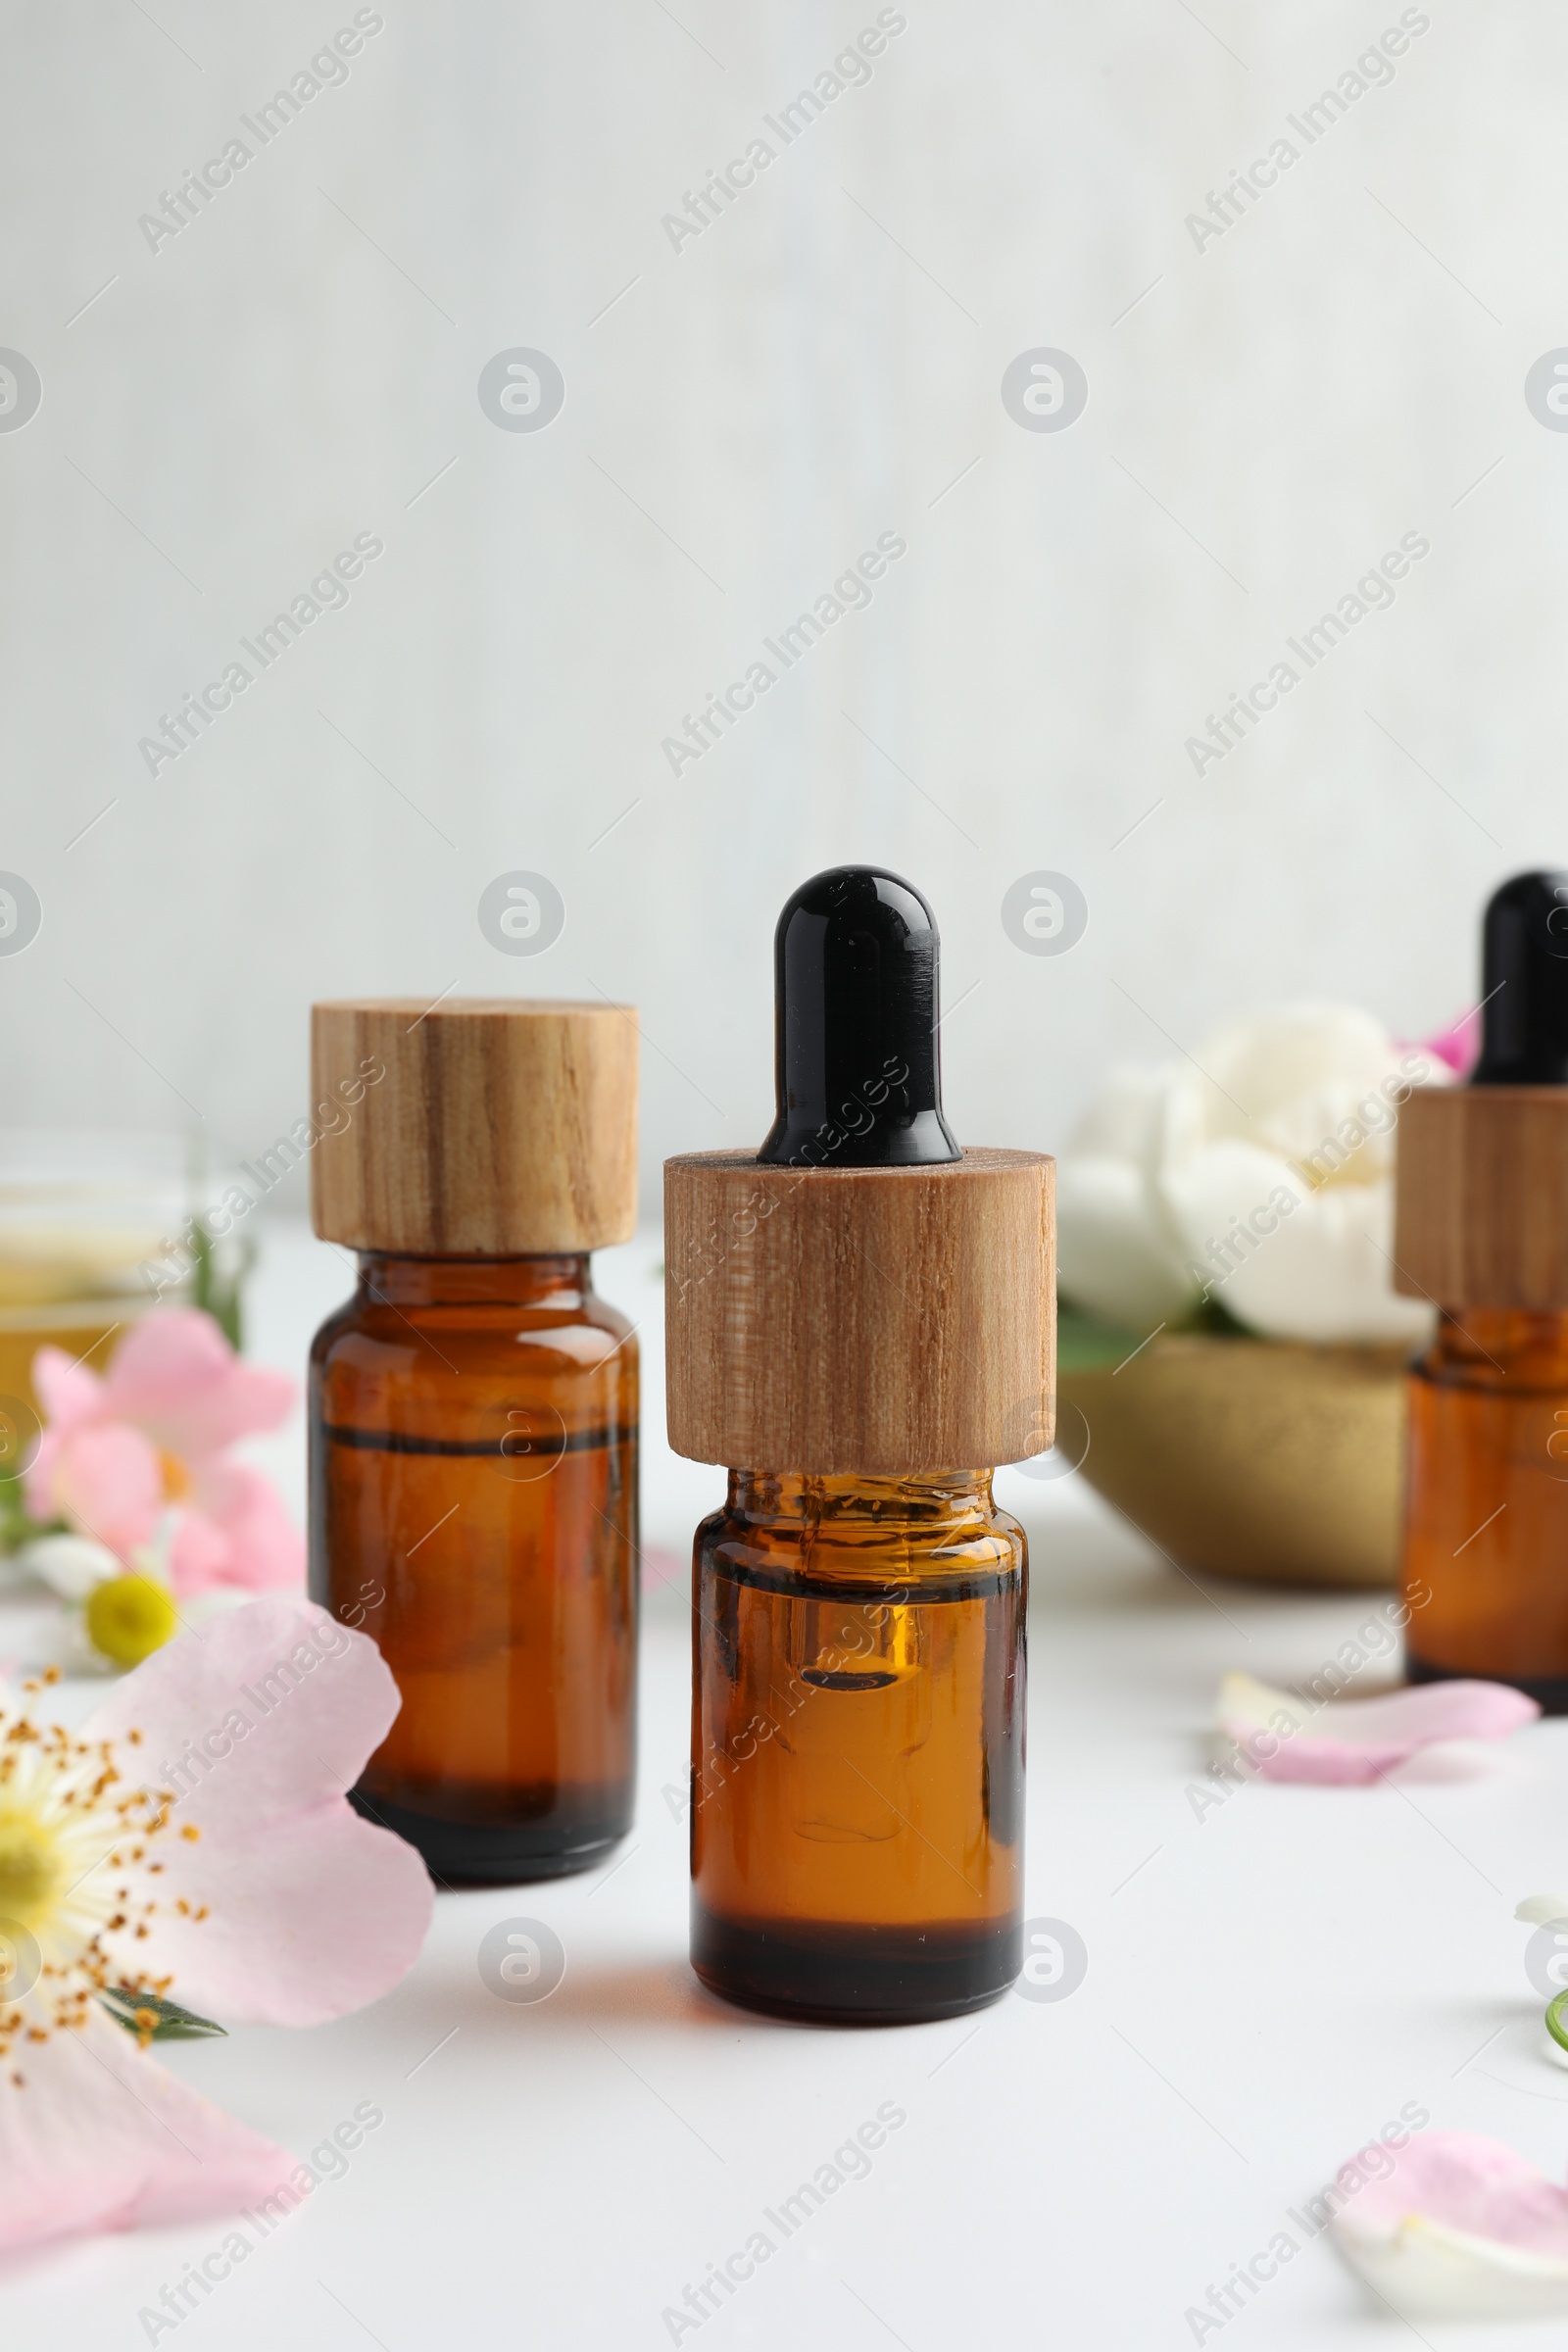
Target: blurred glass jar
pixel 97 1228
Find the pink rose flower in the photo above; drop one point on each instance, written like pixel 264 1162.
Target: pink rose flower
pixel 193 1842
pixel 155 1431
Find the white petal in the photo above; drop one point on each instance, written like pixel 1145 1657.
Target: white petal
pixel 1323 1273
pixel 1453 2224
pixel 1126 1120
pixel 1429 2270
pixel 1289 1078
pixel 1243 1701
pixel 1117 1256
pixel 1544 1910
pixel 71 1565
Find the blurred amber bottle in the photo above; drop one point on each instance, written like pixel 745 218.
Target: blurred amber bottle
pixel 1483 1230
pixel 1486 1549
pixel 473 1424
pixel 868 1308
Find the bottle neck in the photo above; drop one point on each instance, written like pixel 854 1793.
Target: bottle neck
pixel 562 1279
pixel 776 1497
pixel 1491 1337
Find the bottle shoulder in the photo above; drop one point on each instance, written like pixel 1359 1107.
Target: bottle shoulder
pixel 432 1367
pixel 988 1552
pixel 1505 1362
pixel 588 1330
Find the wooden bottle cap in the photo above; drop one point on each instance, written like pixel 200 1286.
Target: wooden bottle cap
pixel 497 1128
pixel 1482 1197
pixel 883 1320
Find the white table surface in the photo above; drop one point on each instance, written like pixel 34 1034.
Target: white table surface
pixel 1266 1986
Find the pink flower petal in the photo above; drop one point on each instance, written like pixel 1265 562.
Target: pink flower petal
pixel 100 2136
pixel 1352 1742
pixel 311 1918
pixel 663 1566
pixel 68 1391
pixel 176 1375
pixel 1455 2226
pixel 108 1482
pixel 263 1548
pixel 1459 1045
pixel 260 1721
pixel 198 1556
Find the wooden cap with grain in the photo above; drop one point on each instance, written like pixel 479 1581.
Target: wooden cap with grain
pixel 496 1127
pixel 881 1320
pixel 1482 1197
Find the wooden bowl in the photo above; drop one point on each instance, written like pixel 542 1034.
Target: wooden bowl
pixel 1250 1457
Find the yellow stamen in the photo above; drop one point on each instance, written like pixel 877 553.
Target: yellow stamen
pixel 74 1880
pixel 30 1870
pixel 177 1481
pixel 128 1617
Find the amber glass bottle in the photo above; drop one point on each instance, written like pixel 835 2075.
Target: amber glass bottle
pixel 1483 1229
pixel 1486 1524
pixel 474 1510
pixel 858 1745
pixel 854 1312
pixel 474 1431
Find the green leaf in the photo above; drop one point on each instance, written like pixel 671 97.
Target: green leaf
pixel 211 1290
pixel 16 1524
pixel 1213 1316
pixel 1086 1345
pixel 1554 2021
pixel 1083 1344
pixel 174 2023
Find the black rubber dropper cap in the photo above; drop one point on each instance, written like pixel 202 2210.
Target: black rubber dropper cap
pixel 857 1068
pixel 1524 984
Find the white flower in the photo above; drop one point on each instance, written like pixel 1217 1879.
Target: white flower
pixel 1258 1173
pixel 71 1565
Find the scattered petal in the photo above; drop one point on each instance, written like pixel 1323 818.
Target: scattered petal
pixel 663 1566
pixel 1544 1910
pixel 1459 2227
pixel 1355 1740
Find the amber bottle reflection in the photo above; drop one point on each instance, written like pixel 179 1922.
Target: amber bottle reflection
pixel 473 1507
pixel 857 1746
pixel 1486 1557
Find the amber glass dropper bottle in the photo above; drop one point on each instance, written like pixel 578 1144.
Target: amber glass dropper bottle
pixel 474 1419
pixel 1482 1229
pixel 860 1325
